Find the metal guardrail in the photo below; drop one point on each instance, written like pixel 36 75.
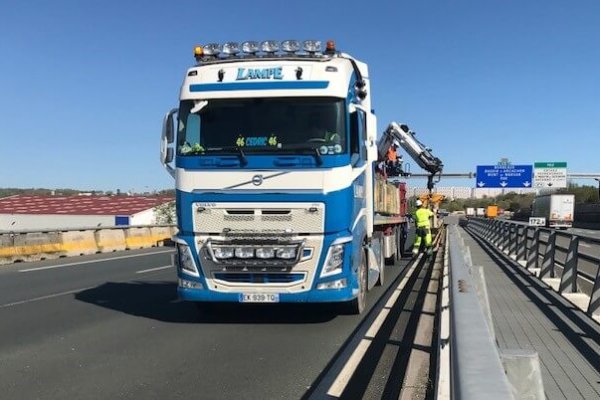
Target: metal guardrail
pixel 475 368
pixel 563 260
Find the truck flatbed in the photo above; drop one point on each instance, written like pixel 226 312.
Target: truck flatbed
pixel 388 219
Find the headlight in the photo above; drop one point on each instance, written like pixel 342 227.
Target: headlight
pixel 223 252
pixel 265 252
pixel 244 252
pixel 334 260
pixel 185 261
pixel 286 253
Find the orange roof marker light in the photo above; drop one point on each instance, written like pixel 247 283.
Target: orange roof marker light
pixel 198 53
pixel 330 47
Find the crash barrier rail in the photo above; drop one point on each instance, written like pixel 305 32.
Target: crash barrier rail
pixel 469 362
pixel 30 245
pixel 564 261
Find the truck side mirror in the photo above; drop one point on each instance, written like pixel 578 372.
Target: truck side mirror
pixel 168 129
pixel 169 155
pixel 167 138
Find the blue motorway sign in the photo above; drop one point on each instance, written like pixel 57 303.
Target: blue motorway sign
pixel 504 176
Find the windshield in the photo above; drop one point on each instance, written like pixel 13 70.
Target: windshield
pixel 262 125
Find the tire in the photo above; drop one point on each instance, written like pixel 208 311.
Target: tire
pixel 381 279
pixel 357 306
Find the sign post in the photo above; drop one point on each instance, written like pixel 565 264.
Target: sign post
pixel 550 174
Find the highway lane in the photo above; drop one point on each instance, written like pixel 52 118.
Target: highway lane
pixel 100 329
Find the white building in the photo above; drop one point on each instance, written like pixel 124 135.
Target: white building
pixel 23 212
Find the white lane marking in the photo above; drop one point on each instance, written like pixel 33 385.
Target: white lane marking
pixel 153 269
pixel 50 296
pixel 341 381
pixel 584 245
pixel 92 261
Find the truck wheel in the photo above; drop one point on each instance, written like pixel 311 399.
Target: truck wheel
pixel 357 305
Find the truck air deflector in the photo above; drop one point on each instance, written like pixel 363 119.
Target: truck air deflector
pixel 232 86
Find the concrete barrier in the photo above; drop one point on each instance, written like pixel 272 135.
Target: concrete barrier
pixel 78 243
pixel 29 246
pixel 108 240
pixel 36 246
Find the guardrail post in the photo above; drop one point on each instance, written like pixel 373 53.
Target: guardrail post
pixel 505 236
pixel 547 270
pixel 594 306
pixel 514 237
pixel 533 255
pixel 522 242
pixel 489 231
pixel 498 234
pixel 568 281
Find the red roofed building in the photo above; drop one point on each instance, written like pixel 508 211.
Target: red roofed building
pixel 25 212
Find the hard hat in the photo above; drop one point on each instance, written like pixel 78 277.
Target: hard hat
pixel 396 143
pixel 419 203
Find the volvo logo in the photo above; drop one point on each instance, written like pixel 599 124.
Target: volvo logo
pixel 257 180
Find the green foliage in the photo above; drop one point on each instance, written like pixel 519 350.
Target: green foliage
pixel 165 214
pixel 583 194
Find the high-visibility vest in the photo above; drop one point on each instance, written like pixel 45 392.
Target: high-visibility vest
pixel 392 154
pixel 422 217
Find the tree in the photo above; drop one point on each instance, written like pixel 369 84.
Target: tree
pixel 164 214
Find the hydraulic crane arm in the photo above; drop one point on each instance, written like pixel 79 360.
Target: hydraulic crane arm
pixel 415 149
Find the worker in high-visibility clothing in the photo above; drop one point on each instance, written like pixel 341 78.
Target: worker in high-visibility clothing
pixel 423 217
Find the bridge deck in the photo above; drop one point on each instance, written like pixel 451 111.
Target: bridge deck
pixel 527 314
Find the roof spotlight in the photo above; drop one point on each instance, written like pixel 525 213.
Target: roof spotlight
pixel 250 47
pixel 290 46
pixel 212 49
pixel 269 46
pixel 312 46
pixel 231 48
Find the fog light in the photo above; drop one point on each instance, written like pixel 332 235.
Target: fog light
pixel 184 283
pixel 337 284
pixel 265 252
pixel 286 253
pixel 244 252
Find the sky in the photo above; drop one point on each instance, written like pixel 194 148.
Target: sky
pixel 84 85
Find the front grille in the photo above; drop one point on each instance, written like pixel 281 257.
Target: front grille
pixel 298 218
pixel 259 278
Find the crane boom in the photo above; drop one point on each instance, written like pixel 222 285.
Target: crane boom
pixel 415 149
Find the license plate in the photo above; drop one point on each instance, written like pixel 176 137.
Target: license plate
pixel 259 298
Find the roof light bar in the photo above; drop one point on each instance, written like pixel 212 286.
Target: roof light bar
pixel 268 48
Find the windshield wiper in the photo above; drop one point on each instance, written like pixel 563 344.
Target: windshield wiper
pixel 229 150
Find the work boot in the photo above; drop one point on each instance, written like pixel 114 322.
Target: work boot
pixel 429 251
pixel 415 252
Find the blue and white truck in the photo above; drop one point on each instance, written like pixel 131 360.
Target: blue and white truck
pixel 273 150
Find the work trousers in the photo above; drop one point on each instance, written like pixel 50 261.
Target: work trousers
pixel 422 232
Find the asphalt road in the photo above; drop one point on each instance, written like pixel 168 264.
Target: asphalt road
pixel 110 326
